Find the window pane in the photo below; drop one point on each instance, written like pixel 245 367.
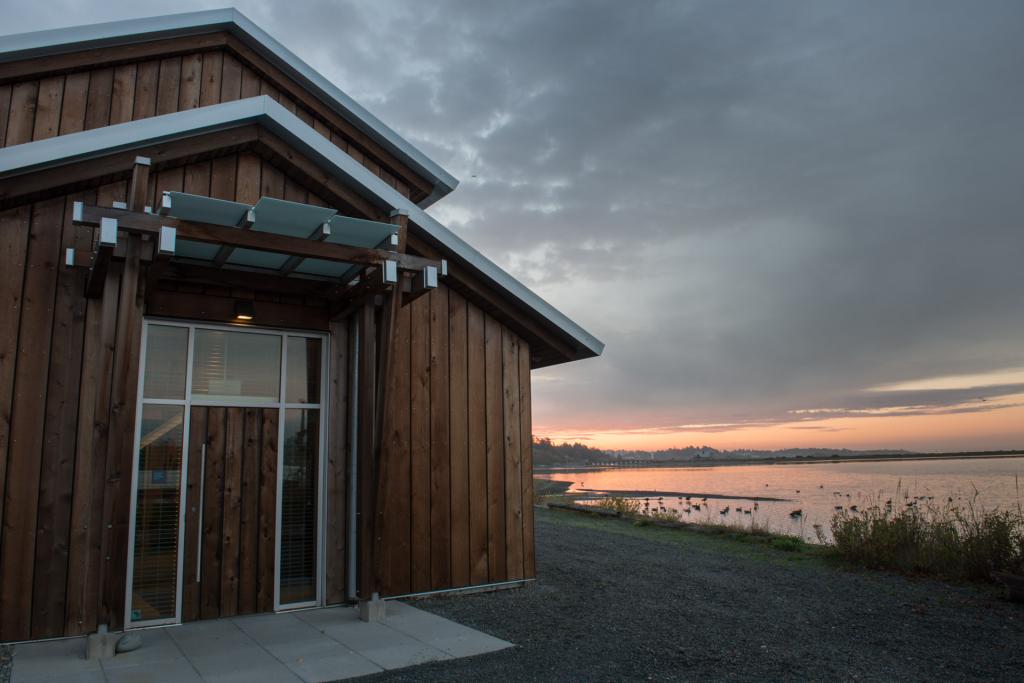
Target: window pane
pixel 155 576
pixel 236 364
pixel 299 501
pixel 303 370
pixel 166 357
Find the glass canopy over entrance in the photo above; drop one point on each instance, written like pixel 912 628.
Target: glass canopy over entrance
pixel 279 217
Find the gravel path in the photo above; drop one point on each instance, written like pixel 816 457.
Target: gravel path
pixel 615 602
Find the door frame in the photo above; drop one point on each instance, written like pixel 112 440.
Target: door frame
pixel 187 403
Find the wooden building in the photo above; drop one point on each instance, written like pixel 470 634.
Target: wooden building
pixel 241 368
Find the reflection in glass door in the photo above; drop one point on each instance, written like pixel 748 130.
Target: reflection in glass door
pixel 276 375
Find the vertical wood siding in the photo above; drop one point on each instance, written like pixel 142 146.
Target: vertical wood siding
pixel 32 109
pixel 458 511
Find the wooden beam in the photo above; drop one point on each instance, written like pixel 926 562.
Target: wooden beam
pixel 150 224
pixel 138 189
pixel 229 277
pixel 101 260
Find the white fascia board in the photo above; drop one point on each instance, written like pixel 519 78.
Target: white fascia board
pixel 93 36
pixel 262 110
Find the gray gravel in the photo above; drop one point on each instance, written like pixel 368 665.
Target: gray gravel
pixel 614 602
pixel 6 662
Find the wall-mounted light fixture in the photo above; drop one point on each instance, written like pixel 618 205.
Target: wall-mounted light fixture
pixel 244 310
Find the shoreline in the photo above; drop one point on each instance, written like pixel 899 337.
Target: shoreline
pixel 597 494
pixel 776 461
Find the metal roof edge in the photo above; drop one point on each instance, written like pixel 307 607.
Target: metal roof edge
pixel 74 38
pixel 33 156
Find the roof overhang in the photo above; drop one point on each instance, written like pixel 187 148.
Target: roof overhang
pixel 46 154
pixel 95 36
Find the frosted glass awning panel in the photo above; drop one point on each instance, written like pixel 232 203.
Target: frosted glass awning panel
pixel 358 232
pixel 197 250
pixel 256 259
pixel 191 207
pixel 289 218
pixel 333 269
pixel 280 218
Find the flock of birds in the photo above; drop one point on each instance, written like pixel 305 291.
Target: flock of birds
pixel 691 504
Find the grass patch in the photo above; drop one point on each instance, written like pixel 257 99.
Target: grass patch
pixel 962 542
pixel 652 524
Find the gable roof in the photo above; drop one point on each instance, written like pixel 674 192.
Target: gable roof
pixel 116 33
pixel 264 111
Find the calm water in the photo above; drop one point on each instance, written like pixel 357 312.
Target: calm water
pixel 817 489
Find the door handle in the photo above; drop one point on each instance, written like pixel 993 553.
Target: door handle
pixel 202 504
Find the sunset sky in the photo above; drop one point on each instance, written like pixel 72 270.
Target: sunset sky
pixel 792 223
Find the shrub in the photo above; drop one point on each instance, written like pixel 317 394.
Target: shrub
pixel 957 542
pixel 624 506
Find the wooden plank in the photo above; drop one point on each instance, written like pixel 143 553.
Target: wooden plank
pixel 14 238
pixel 272 182
pixel 168 85
pixel 249 527
pixel 477 439
pixel 23 113
pixel 190 81
pixel 459 430
pixel 76 95
pixel 26 440
pixel 526 444
pixel 513 453
pixel 395 564
pixel 197 178
pixel 337 465
pixel 495 451
pixel 120 445
pixel 233 451
pixel 122 94
pixel 194 491
pixel 250 83
pixel 146 80
pixel 51 93
pixel 209 590
pixel 267 511
pixel 5 112
pixel 440 451
pixel 231 79
pixel 222 177
pixel 57 461
pixel 209 91
pixel 97 110
pixel 419 446
pixel 247 182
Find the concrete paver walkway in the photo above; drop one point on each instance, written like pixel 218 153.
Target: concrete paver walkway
pixel 312 645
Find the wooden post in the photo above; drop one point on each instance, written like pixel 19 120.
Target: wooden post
pixel 120 456
pixel 385 381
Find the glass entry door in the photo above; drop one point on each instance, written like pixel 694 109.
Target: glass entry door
pixel 228 501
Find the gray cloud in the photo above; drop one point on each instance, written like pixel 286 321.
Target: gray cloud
pixel 760 207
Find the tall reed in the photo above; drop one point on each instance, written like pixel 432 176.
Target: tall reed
pixel 960 541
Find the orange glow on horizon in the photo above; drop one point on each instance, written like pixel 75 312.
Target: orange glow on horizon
pixel 999 429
